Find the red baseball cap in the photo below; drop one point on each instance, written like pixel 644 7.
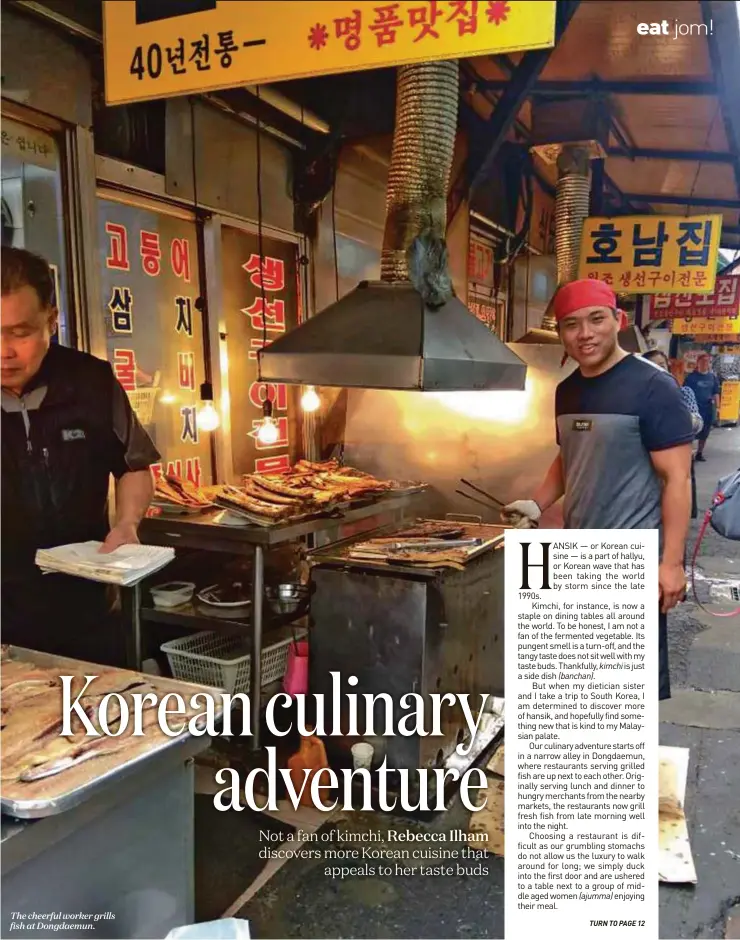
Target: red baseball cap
pixel 588 292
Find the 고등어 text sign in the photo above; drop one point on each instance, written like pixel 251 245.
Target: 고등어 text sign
pixel 161 48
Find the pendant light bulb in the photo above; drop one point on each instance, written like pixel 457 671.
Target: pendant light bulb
pixel 268 431
pixel 310 400
pixel 208 418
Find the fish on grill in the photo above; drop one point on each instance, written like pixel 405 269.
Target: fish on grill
pixel 304 489
pixel 231 497
pixel 20 693
pixel 316 467
pixel 254 488
pixel 431 529
pixel 32 744
pixel 172 489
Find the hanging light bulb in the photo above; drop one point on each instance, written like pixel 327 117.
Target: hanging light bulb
pixel 167 398
pixel 310 400
pixel 268 432
pixel 208 417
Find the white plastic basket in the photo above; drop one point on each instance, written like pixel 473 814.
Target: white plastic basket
pixel 219 660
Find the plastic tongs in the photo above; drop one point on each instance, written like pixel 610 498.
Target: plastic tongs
pixel 492 503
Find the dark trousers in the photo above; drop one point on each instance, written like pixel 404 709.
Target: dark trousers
pixel 707 416
pixel 64 616
pixel 664 676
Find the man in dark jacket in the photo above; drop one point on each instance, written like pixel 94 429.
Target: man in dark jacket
pixel 67 427
pixel 705 386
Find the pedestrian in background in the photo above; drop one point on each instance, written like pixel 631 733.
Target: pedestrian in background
pixel 705 386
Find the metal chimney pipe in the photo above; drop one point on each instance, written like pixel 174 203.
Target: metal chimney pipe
pixel 571 211
pixel 421 161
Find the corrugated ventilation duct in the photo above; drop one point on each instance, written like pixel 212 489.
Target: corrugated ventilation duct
pixel 571 211
pixel 419 174
pixel 408 330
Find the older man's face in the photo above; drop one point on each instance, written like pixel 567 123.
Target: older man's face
pixel 26 328
pixel 589 335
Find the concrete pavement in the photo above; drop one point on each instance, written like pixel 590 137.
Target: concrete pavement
pixel 704 716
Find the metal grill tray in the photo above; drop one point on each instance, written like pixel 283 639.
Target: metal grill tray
pixel 66 790
pixel 492 537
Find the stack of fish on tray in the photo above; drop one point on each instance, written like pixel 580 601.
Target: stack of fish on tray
pixel 172 491
pixel 425 544
pixel 305 490
pixel 33 750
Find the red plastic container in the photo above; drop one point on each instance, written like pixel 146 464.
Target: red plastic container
pixel 295 681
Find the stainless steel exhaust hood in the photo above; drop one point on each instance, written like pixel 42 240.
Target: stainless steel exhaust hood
pixel 407 331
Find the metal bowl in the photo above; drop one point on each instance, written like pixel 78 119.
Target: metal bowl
pixel 286 598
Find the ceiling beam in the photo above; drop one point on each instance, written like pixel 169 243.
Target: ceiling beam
pixel 514 94
pixel 597 87
pixel 721 20
pixel 672 200
pixel 655 153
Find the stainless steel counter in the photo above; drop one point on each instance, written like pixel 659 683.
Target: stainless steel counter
pixel 125 856
pixel 108 858
pixel 204 533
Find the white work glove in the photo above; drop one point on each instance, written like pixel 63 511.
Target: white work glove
pixel 522 514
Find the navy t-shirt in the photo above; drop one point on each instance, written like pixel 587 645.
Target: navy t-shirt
pixel 705 386
pixel 607 427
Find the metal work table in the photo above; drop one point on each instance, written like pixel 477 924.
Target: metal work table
pixel 204 533
pixel 127 851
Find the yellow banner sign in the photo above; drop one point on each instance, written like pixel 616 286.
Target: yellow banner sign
pixel 650 254
pixel 160 48
pixel 700 326
pixel 729 403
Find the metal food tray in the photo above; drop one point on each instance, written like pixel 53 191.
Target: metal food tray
pixel 266 522
pixel 118 766
pixel 330 511
pixel 340 552
pixel 174 509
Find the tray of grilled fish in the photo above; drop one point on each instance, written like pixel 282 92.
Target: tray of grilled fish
pixel 428 543
pixel 175 496
pixel 306 491
pixel 43 772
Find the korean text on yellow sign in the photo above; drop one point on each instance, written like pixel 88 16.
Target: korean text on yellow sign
pixel 226 43
pixel 729 403
pixel 646 254
pixel 701 326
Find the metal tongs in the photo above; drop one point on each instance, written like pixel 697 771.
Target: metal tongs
pixel 492 503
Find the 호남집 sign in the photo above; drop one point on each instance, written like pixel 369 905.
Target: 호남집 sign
pixel 160 48
pixel 650 254
pixel 724 301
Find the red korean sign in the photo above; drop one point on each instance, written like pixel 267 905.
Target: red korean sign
pixel 261 300
pixel 724 301
pixel 480 263
pixel 154 332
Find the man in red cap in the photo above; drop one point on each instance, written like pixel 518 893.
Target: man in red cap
pixel 625 443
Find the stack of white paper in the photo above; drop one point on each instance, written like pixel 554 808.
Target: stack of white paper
pixel 125 566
